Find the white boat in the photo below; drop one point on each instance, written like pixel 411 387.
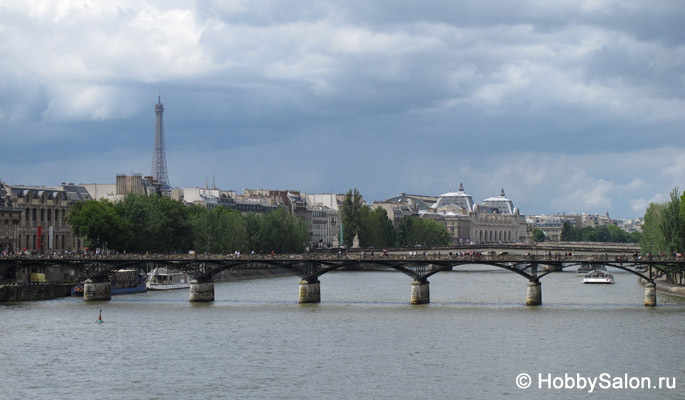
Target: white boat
pixel 598 276
pixel 585 268
pixel 162 278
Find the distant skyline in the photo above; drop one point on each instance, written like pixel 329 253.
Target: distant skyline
pixel 570 106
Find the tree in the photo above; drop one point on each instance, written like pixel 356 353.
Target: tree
pixel 351 216
pixel 569 233
pixel 672 225
pixel 652 240
pixel 376 229
pixel 220 230
pixel 282 232
pixel 617 235
pixel 610 233
pixel 603 234
pixel 137 210
pixel 158 224
pixel 538 235
pixel 173 225
pixel 100 223
pixel 384 231
pixel 413 231
pixel 588 234
pixel 253 227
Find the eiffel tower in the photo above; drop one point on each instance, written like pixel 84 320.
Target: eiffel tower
pixel 159 172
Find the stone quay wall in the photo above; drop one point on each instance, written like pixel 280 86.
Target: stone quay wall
pixel 46 291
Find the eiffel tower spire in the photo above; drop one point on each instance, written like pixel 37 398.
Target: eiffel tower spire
pixel 159 171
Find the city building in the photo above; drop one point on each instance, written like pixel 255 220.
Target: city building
pixel 325 226
pixel 125 184
pixel 211 198
pixel 325 218
pixel 42 211
pixel 495 220
pixel 10 216
pixel 404 205
pixel 552 225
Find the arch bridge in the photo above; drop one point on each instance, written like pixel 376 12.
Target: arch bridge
pixel 310 267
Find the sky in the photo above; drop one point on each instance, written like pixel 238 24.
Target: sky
pixel 569 106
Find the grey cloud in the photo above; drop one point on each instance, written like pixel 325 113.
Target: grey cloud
pixel 386 96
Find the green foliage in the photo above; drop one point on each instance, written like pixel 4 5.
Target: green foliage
pixel 413 231
pixel 538 235
pixel 159 224
pixel 100 224
pixel 352 216
pixel 588 234
pixel 569 233
pixel 610 233
pixel 652 240
pixel 156 224
pixel 220 230
pixel 376 229
pixel 663 230
pixel 280 231
pixel 672 225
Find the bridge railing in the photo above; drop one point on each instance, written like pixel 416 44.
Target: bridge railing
pixel 360 257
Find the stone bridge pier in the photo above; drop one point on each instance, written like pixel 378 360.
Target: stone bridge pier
pixel 97 289
pixel 201 292
pixel 310 292
pixel 420 292
pixel 650 294
pixel 534 293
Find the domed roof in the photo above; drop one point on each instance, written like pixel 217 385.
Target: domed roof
pixel 459 198
pixel 501 203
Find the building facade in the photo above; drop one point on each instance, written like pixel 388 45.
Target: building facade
pixel 42 212
pixel 125 185
pixel 325 226
pixel 211 198
pixel 325 218
pixel 10 216
pixel 495 220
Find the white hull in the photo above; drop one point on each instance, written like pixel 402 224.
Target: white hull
pixel 164 279
pixel 155 286
pixel 599 277
pixel 606 281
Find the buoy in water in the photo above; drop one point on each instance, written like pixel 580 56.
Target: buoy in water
pixel 99 321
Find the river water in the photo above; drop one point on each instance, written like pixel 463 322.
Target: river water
pixel 363 341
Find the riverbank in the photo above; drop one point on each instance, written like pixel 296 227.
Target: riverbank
pixel 666 287
pixel 50 291
pixel 35 292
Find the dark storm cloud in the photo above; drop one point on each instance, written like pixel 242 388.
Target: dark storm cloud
pixel 557 101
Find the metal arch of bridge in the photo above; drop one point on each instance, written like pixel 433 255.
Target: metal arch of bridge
pixel 419 274
pixel 91 268
pixel 311 268
pixel 648 278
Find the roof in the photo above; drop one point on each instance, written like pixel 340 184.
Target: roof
pixel 459 198
pixel 501 203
